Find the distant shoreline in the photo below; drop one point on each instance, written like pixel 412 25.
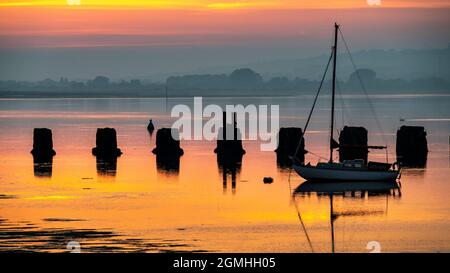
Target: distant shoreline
pixel 45 95
pixel 130 96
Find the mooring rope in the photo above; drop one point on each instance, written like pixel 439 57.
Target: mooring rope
pixel 298 213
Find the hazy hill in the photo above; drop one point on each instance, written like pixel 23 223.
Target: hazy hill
pixel 407 64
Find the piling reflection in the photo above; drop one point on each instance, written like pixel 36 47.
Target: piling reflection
pixel 169 164
pixel 106 166
pixel 229 168
pixel 417 173
pixel 43 166
pixel 345 191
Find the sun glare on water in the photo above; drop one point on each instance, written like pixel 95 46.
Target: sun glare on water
pixel 374 3
pixel 73 2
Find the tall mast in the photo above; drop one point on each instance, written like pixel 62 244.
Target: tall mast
pixel 336 28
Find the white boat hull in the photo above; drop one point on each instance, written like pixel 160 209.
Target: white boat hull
pixel 312 173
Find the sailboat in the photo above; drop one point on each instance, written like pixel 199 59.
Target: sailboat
pixel 348 170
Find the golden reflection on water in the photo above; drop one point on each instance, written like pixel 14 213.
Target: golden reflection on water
pixel 139 200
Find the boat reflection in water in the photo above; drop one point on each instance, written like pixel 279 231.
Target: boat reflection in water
pixel 352 190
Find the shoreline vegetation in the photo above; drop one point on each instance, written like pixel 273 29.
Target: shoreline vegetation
pixel 239 83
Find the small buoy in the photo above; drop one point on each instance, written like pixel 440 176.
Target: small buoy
pixel 150 126
pixel 267 180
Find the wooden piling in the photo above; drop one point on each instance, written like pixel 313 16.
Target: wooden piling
pixel 353 143
pixel 106 143
pixel 412 146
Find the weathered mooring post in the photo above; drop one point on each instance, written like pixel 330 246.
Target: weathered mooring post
pixel 106 151
pixel 106 143
pixel 42 152
pixel 353 143
pixel 229 151
pixel 168 142
pixel 168 150
pixel 288 141
pixel 42 143
pixel 412 147
pixel 229 147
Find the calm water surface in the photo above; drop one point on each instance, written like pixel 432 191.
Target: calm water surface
pixel 142 207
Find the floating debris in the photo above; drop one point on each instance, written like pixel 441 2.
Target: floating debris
pixel 62 220
pixel 268 180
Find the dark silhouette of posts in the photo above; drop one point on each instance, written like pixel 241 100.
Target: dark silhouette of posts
pixel 229 147
pixel 42 152
pixel 42 143
pixel 288 140
pixel 166 144
pixel 168 150
pixel 106 151
pixel 106 143
pixel 353 143
pixel 412 147
pixel 229 151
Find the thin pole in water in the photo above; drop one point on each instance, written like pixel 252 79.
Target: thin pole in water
pixel 167 97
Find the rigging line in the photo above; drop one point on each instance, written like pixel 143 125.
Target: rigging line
pixel 289 181
pixel 344 106
pixel 372 109
pixel 314 104
pixel 319 156
pixel 341 100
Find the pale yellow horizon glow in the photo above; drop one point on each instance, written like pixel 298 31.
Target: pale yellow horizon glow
pixel 225 4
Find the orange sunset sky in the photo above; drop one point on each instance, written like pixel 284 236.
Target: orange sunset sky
pixel 223 30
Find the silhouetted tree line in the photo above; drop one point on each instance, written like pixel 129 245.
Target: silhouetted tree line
pixel 242 81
